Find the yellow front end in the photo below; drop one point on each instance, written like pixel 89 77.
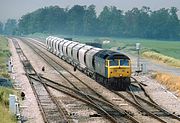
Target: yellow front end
pixel 118 69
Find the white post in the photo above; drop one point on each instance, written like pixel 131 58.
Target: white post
pixel 9 66
pixel 12 104
pixel 138 59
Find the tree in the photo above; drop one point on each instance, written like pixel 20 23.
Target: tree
pixel 90 21
pixel 54 19
pixel 49 19
pixel 74 21
pixel 104 21
pixel 111 21
pixel 10 26
pixel 173 23
pixel 133 22
pixel 117 22
pixel 159 24
pixel 82 20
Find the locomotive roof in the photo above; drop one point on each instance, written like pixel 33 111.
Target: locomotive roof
pixel 108 54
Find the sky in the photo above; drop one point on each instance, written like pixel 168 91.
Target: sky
pixel 16 8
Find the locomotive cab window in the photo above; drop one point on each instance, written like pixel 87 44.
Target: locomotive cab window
pixel 124 62
pixel 114 62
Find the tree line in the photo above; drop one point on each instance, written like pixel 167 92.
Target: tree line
pixel 83 20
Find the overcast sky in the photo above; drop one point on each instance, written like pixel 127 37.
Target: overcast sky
pixel 17 8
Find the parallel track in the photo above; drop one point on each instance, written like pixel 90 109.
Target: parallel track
pixel 147 105
pixel 50 109
pixel 108 110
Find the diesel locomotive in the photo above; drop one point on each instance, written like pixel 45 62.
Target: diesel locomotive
pixel 109 68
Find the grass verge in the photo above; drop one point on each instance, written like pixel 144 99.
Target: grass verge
pixel 5 116
pixel 4 55
pixel 172 82
pixel 160 57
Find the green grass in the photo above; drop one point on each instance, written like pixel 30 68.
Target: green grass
pixel 4 95
pixel 5 115
pixel 4 55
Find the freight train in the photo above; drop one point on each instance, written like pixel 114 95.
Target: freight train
pixel 109 68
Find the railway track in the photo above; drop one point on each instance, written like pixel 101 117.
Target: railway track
pixel 51 111
pixel 94 101
pixel 104 107
pixel 147 107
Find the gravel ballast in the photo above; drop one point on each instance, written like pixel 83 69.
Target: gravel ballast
pixel 29 107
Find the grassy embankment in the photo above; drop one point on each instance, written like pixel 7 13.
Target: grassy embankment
pixel 5 116
pixel 171 82
pixel 164 51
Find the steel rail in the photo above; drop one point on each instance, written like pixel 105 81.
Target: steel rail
pixel 133 119
pixel 29 71
pixel 152 102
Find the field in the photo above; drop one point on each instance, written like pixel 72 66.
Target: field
pixel 4 92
